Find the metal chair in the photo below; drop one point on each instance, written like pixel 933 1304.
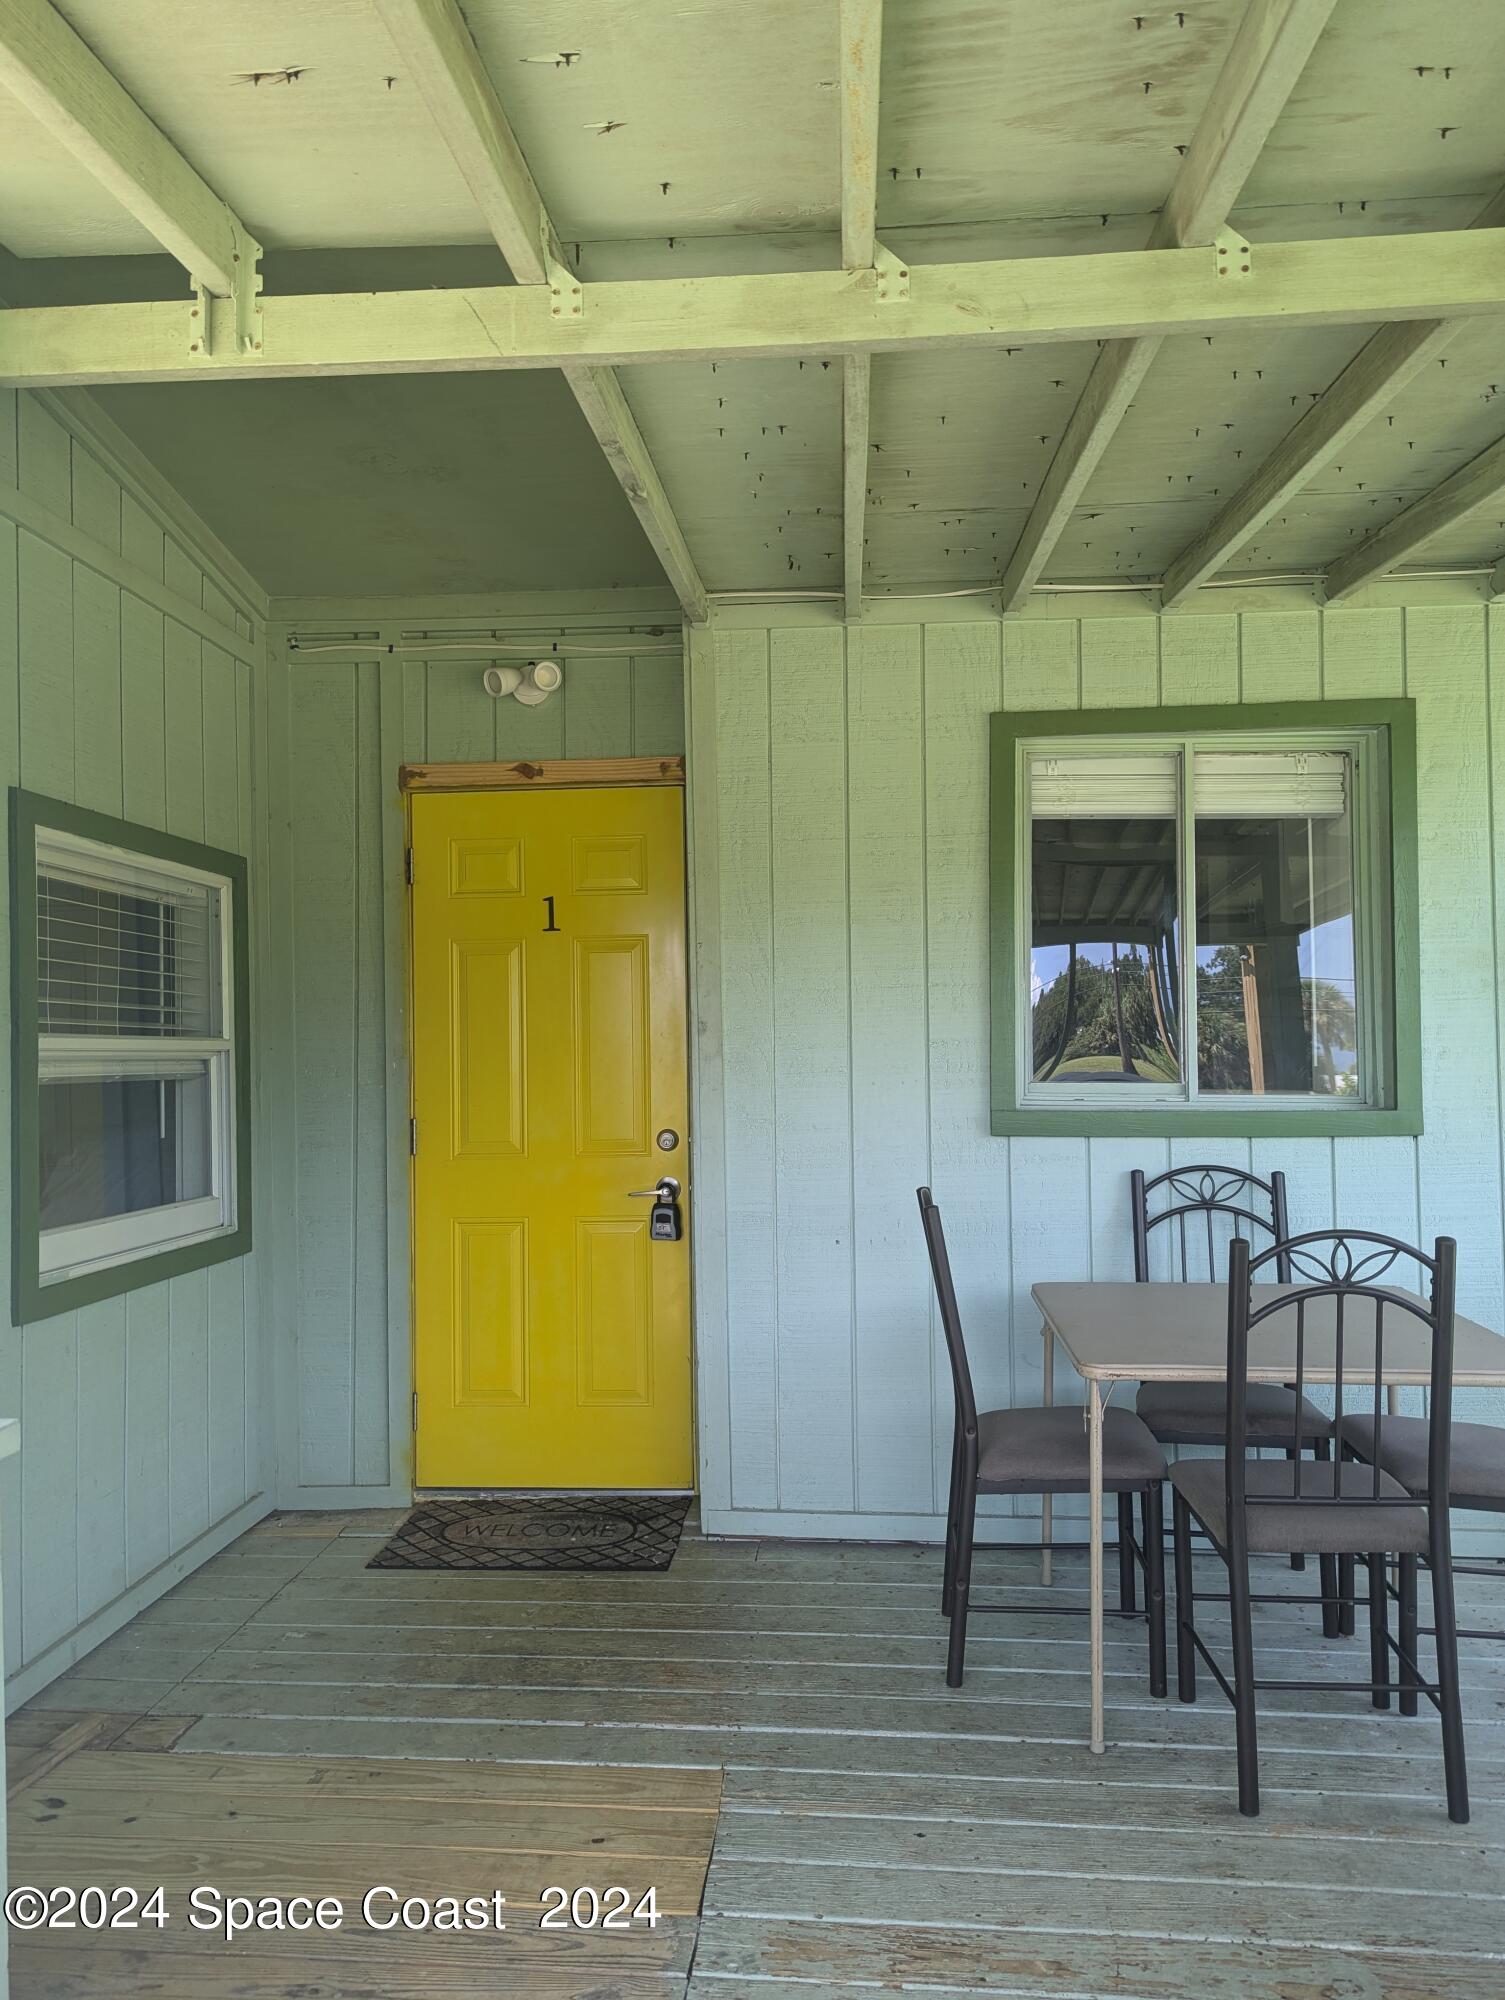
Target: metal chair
pixel 1402 1449
pixel 1192 1413
pixel 1040 1451
pixel 1342 1508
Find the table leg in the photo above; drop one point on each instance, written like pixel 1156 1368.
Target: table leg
pixel 1095 1555
pixel 1045 1513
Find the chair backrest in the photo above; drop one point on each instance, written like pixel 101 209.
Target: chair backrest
pixel 1197 1195
pixel 1347 1290
pixel 951 1321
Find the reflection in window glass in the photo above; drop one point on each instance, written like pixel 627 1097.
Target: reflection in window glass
pixel 116 1145
pixel 1277 998
pixel 1104 999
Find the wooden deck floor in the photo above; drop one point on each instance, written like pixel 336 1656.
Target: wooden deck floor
pixel 875 1830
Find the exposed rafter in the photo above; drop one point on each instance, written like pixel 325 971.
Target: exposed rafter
pixel 1269 52
pixel 1497 581
pixel 442 57
pixel 856 387
pixel 66 88
pixel 1026 301
pixel 861 63
pixel 1476 484
pixel 1379 371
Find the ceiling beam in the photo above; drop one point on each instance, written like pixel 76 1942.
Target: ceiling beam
pixel 861 62
pixel 434 41
pixel 1473 485
pixel 861 65
pixel 1378 372
pixel 856 388
pixel 1497 581
pixel 67 89
pixel 599 394
pixel 1269 51
pixel 1026 301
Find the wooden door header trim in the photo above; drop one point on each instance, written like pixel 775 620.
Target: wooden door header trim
pixel 553 774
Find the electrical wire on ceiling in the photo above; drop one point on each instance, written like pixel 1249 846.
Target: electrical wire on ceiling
pixel 486 649
pixel 478 649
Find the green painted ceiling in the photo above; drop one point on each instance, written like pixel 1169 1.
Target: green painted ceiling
pixel 390 485
pixel 1008 127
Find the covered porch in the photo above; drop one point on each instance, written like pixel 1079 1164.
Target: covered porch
pixel 627 633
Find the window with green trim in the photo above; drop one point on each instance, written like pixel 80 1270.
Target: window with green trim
pixel 130 1055
pixel 1196 920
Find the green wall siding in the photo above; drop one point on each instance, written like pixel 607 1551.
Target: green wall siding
pixel 345 725
pixel 840 812
pixel 125 686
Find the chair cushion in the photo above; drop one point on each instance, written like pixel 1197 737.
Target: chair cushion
pixel 1302 1527
pixel 1477 1476
pixel 1045 1451
pixel 1193 1413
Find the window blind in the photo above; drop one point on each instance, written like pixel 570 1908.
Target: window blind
pixel 114 960
pixel 1270 784
pixel 1104 787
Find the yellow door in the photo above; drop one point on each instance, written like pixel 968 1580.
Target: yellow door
pixel 549 1018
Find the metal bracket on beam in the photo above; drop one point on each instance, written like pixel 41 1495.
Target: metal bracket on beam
pixel 893 276
pixel 246 295
pixel 1234 257
pixel 208 333
pixel 565 289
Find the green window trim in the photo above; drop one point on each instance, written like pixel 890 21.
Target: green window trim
pixel 1211 1118
pixel 31 1299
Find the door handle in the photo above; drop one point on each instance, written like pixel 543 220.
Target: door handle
pixel 665 1225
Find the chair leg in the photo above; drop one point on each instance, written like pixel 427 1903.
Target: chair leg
pixel 953 1519
pixel 1346 1593
pixel 1186 1655
pixel 1126 1595
pixel 1241 1620
pixel 1445 1617
pixel 1152 1515
pixel 1327 1566
pixel 961 1587
pixel 1293 1452
pixel 1408 1676
pixel 1379 1629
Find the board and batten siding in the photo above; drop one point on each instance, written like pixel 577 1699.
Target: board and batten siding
pixel 839 813
pixel 126 664
pixel 340 728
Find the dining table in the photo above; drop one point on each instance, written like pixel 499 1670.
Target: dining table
pixel 1113 1332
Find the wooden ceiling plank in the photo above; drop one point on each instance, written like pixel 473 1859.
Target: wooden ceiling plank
pixel 433 39
pixel 1378 372
pixel 861 66
pixel 1275 38
pixel 1035 301
pixel 67 89
pixel 1476 484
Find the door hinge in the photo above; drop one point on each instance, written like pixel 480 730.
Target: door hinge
pixel 413 1137
pixel 415 1409
pixel 407 866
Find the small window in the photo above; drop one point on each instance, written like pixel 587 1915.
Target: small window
pixel 131 1093
pixel 1196 924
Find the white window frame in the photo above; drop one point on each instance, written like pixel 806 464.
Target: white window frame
pixel 1373 921
pixel 82 1248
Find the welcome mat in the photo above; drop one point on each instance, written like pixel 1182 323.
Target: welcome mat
pixel 593 1532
